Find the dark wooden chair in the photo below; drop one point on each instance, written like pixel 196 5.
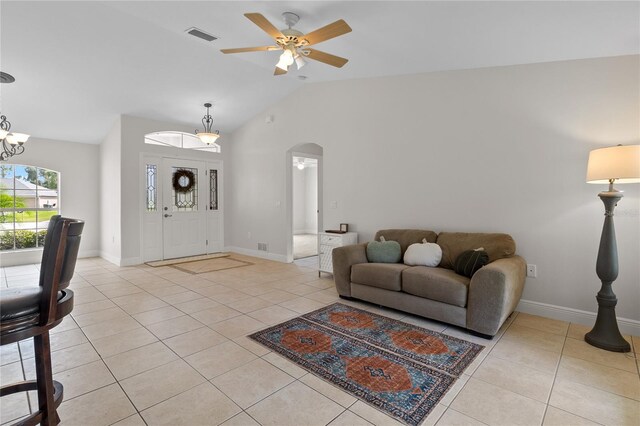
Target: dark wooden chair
pixel 32 311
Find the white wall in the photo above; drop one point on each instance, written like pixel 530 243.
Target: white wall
pixel 110 194
pixel 311 199
pixel 299 201
pixel 79 177
pixel 497 149
pixel 305 200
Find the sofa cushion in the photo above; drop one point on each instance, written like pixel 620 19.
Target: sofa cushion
pixel 382 275
pixel 439 284
pixel 453 244
pixel 406 237
pixel 384 252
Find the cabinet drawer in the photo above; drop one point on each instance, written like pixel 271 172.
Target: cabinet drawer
pixel 331 240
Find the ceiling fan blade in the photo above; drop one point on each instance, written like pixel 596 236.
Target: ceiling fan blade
pixel 327 32
pixel 327 58
pixel 279 71
pixel 264 24
pixel 250 49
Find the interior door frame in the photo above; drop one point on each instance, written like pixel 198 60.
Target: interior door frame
pixel 289 198
pixel 158 159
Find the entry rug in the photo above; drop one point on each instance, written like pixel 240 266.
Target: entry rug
pixel 393 376
pixel 210 265
pixel 169 262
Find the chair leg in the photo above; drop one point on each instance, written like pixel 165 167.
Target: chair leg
pixel 44 373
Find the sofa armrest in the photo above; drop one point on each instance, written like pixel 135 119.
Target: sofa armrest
pixel 494 293
pixel 343 258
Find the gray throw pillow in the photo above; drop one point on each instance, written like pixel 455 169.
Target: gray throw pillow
pixel 384 251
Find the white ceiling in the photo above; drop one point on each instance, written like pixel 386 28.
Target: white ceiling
pixel 78 65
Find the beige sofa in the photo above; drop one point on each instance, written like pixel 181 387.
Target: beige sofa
pixel 480 304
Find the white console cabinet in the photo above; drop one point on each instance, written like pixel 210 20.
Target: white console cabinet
pixel 327 241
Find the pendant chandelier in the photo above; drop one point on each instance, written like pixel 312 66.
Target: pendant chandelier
pixel 209 136
pixel 12 143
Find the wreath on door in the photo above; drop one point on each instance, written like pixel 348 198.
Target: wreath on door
pixel 183 180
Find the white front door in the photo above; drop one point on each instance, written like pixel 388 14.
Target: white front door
pixel 184 208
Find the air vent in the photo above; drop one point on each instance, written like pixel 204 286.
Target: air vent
pixel 200 34
pixel 262 246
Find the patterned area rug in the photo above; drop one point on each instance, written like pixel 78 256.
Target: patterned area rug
pixel 396 367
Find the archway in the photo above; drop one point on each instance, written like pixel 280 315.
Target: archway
pixel 311 155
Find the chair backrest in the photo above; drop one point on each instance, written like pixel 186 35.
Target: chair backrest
pixel 47 245
pixel 59 256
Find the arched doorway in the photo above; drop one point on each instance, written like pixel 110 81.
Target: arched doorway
pixel 304 199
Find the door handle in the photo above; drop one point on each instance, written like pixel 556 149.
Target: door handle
pixel 167 215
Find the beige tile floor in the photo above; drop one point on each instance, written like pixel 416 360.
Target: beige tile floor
pixel 159 346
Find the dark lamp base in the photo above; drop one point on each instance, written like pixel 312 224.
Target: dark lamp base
pixel 618 344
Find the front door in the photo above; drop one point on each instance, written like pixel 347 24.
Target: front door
pixel 184 208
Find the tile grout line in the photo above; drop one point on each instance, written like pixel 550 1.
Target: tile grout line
pixel 114 378
pixel 471 375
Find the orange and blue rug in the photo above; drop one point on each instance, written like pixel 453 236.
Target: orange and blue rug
pixel 396 367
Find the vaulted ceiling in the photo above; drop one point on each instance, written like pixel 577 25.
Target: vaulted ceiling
pixel 78 65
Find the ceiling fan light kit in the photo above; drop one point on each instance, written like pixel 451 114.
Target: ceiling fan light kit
pixel 295 44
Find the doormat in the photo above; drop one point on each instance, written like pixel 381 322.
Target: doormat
pixel 170 262
pixel 398 368
pixel 211 265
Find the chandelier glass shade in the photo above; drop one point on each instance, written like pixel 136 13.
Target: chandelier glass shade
pixel 12 143
pixel 209 136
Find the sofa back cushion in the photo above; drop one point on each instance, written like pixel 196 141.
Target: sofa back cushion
pixel 406 237
pixel 497 246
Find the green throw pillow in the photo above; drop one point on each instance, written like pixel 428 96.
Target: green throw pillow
pixel 384 251
pixel 470 261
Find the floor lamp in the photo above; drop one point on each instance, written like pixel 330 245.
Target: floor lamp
pixel 619 164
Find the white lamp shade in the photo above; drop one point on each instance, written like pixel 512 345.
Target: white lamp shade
pixel 282 65
pixel 621 163
pixel 300 62
pixel 17 138
pixel 208 138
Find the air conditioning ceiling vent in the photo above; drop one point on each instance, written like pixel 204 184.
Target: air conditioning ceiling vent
pixel 196 32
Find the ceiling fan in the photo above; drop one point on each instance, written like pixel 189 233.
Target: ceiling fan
pixel 295 45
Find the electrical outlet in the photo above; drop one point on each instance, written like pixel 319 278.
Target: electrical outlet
pixel 532 271
pixel 334 205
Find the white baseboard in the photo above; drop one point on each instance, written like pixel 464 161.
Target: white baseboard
pixel 27 257
pixel 109 258
pixel 626 325
pixel 257 253
pixel 131 261
pixel 118 261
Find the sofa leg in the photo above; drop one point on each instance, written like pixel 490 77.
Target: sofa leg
pixel 346 297
pixel 484 336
